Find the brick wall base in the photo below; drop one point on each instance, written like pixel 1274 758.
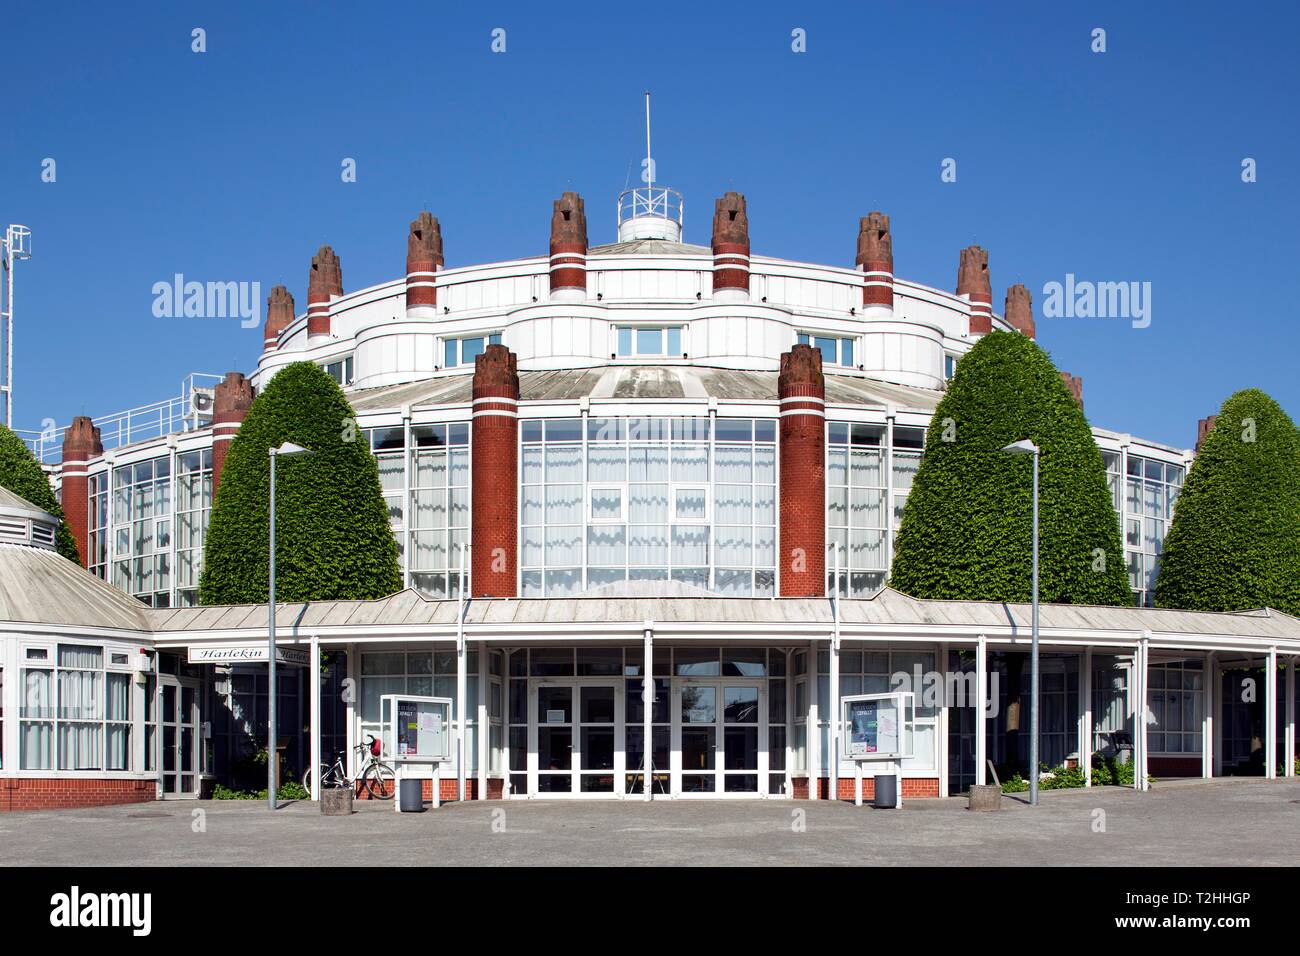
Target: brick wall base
pixel 1174 766
pixel 447 789
pixel 913 787
pixel 55 793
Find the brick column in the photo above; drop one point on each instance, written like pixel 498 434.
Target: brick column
pixel 802 391
pixel 568 249
pixel 279 316
pixel 1075 384
pixel 81 443
pixel 423 260
pixel 324 283
pixel 876 261
pixel 1203 427
pixel 494 477
pixel 234 397
pixel 730 249
pixel 1019 311
pixel 973 283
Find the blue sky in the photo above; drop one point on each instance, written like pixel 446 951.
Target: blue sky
pixel 1115 166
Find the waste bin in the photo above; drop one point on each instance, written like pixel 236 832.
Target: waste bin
pixel 886 791
pixel 409 799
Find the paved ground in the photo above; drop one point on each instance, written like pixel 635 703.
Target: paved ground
pixel 1221 823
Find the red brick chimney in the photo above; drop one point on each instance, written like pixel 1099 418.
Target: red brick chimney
pixel 1019 311
pixel 730 249
pixel 423 260
pixel 1075 385
pixel 325 282
pixel 802 391
pixel 279 316
pixel 81 443
pixel 876 260
pixel 973 283
pixel 233 398
pixel 494 478
pixel 1203 428
pixel 568 249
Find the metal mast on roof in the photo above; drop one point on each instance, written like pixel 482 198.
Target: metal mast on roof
pixel 649 163
pixel 16 244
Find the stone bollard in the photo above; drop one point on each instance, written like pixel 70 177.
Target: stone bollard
pixel 986 797
pixel 336 801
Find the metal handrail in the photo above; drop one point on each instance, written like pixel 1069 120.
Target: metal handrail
pixel 119 429
pixel 659 202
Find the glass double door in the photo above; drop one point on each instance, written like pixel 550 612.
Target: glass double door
pixel 576 745
pixel 180 743
pixel 719 727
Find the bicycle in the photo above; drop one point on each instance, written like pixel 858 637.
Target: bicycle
pixel 378 777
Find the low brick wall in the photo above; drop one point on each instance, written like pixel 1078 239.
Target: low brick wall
pixel 913 787
pixel 60 793
pixel 1174 766
pixel 447 790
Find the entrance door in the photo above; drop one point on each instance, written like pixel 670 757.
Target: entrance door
pixel 719 734
pixel 576 734
pixel 180 736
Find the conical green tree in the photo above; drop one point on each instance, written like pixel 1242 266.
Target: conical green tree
pixel 21 473
pixel 333 540
pixel 1235 539
pixel 966 532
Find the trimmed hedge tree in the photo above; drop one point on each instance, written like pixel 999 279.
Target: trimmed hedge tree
pixel 21 473
pixel 966 532
pixel 1235 539
pixel 333 540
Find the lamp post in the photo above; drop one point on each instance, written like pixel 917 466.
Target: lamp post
pixel 288 449
pixel 1027 447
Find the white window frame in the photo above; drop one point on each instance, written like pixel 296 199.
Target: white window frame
pixel 840 341
pixel 663 331
pixel 489 338
pixel 622 490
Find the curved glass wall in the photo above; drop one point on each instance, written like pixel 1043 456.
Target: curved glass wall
pixel 648 499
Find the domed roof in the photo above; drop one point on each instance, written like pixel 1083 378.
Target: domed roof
pixel 40 586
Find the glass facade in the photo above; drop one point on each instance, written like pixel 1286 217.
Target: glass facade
pixel 648 499
pixel 1150 490
pixel 867 482
pixel 132 540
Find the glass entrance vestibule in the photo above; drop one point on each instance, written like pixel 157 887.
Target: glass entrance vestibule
pixel 576 721
pixel 570 722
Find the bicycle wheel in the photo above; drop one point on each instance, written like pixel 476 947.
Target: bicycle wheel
pixel 381 781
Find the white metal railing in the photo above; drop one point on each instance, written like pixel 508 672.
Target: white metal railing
pixel 189 410
pixel 657 202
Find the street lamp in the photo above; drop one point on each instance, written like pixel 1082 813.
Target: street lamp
pixel 287 450
pixel 1027 447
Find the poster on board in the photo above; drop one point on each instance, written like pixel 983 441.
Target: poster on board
pixel 876 725
pixel 418 727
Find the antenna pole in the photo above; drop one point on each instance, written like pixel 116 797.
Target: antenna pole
pixel 649 163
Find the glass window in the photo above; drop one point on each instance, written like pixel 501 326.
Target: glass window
pixel 649 341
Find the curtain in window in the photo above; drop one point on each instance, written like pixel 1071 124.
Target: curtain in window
pixel 733 465
pixel 606 464
pixel 866 470
pixel 691 462
pixel 563 463
pixel 606 545
pixel 733 504
pixel 117 742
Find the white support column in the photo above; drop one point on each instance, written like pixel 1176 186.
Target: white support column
pixel 1288 748
pixel 483 721
pixel 1207 717
pixel 1140 715
pixel 313 677
pixel 1085 730
pixel 981 708
pixel 462 683
pixel 1270 715
pixel 647 715
pixel 350 698
pixel 814 728
pixel 833 698
pixel 1215 699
